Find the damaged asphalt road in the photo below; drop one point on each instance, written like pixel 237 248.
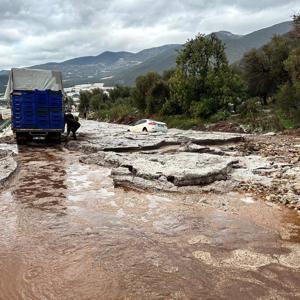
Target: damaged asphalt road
pixel 116 215
pixel 193 161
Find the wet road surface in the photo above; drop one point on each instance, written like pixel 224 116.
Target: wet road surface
pixel 66 233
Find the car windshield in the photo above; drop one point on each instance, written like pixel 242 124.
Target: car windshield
pixel 140 122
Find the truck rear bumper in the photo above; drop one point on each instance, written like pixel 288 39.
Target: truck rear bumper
pixel 37 130
pixel 24 136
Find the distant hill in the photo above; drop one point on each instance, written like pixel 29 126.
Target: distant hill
pixel 162 61
pixel 238 45
pixel 123 67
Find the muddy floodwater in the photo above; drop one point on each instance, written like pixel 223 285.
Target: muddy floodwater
pixel 66 233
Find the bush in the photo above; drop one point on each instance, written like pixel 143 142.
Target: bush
pixel 219 116
pixel 171 107
pixel 204 108
pixel 182 122
pixel 250 107
pixel 115 112
pixel 288 101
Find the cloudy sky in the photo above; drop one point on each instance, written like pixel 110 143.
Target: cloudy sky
pixel 38 31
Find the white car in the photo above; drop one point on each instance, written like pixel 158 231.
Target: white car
pixel 147 125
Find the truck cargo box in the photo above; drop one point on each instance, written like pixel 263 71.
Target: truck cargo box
pixel 37 110
pixel 37 106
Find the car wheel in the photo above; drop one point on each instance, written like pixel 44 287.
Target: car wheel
pixel 145 129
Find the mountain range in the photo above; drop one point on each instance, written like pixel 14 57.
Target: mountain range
pixel 123 67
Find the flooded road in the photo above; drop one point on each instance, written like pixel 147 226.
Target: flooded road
pixel 66 233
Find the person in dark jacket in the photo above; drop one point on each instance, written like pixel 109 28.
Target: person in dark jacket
pixel 72 124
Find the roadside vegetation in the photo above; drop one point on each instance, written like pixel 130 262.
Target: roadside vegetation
pixel 261 91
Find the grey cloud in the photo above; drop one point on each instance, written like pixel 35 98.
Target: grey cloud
pixel 38 31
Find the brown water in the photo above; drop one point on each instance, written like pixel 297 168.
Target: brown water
pixel 66 233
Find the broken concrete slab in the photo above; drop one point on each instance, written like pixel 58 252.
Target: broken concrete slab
pixel 8 166
pixel 164 172
pixel 98 136
pixel 190 147
pixel 248 170
pixel 206 138
pixel 116 144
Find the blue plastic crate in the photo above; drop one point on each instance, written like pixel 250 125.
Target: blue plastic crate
pixel 37 110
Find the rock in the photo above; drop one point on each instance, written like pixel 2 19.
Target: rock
pixel 295 160
pixel 8 166
pixel 277 175
pixel 271 197
pixel 190 147
pixel 164 172
pixel 296 188
pixel 270 134
pixel 268 198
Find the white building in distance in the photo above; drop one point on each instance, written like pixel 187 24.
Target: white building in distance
pixel 75 90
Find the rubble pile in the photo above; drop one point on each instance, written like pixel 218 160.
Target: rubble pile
pixel 283 154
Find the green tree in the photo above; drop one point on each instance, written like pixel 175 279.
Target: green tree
pixel 84 104
pixel 203 82
pixel 157 96
pixel 288 96
pixel 292 65
pixel 296 21
pixel 119 92
pixel 257 71
pixel 96 99
pixel 288 99
pixel 144 87
pixel 167 74
pixel 277 51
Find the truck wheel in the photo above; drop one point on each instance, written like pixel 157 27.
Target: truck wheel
pixel 59 138
pixel 21 138
pixel 54 138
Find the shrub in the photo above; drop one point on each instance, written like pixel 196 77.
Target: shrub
pixel 219 116
pixel 182 122
pixel 288 101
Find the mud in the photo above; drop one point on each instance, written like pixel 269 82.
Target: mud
pixel 67 233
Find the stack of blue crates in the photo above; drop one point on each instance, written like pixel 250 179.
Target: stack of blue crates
pixel 38 110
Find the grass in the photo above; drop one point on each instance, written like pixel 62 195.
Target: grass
pixel 114 113
pixel 181 121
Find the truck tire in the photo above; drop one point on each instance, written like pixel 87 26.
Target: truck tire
pixel 21 138
pixel 54 137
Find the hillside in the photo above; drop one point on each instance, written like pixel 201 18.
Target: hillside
pixel 123 67
pixel 158 63
pixel 236 46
